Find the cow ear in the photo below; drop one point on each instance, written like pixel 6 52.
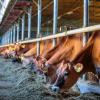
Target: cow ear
pixel 78 67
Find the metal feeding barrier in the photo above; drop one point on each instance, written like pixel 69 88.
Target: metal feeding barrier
pixel 79 30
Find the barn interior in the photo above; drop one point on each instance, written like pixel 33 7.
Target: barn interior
pixel 26 22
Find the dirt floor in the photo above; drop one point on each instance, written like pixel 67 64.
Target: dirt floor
pixel 20 83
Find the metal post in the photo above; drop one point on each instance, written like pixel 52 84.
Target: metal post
pixel 55 15
pixel 39 25
pixel 23 26
pixel 14 31
pixel 29 22
pixel 85 19
pixel 7 37
pixel 85 24
pixel 11 35
pixel 18 31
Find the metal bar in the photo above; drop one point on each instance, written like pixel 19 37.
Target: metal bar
pixel 85 24
pixel 18 31
pixel 75 31
pixel 12 34
pixel 85 19
pixel 9 35
pixel 29 21
pixel 14 31
pixel 39 25
pixel 55 15
pixel 23 26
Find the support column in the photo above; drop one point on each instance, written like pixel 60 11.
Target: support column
pixel 11 35
pixel 18 31
pixel 7 37
pixel 85 24
pixel 85 20
pixel 55 15
pixel 39 24
pixel 29 22
pixel 14 31
pixel 23 27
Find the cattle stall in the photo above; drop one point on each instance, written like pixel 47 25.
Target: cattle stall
pixel 39 26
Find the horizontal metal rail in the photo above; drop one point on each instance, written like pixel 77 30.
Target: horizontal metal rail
pixel 79 30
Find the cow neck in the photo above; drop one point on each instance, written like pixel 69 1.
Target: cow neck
pixel 85 58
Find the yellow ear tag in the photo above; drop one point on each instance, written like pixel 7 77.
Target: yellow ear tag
pixel 78 67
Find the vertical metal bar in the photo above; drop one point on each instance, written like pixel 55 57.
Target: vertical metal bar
pixel 85 24
pixel 85 19
pixel 11 35
pixel 39 25
pixel 55 15
pixel 18 31
pixel 7 37
pixel 23 26
pixel 14 31
pixel 29 22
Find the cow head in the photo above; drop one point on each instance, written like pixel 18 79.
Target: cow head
pixel 66 76
pixel 40 62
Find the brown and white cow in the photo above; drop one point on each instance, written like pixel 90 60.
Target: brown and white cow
pixel 20 49
pixel 67 51
pixel 88 60
pixel 30 56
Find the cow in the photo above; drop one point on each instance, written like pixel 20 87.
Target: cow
pixel 87 60
pixel 31 56
pixel 68 50
pixel 20 49
pixel 46 55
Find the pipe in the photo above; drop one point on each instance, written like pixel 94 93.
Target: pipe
pixel 18 31
pixel 39 25
pixel 29 22
pixel 55 16
pixel 14 30
pixel 85 24
pixel 85 19
pixel 23 27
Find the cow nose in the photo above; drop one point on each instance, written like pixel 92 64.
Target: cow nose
pixel 55 88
